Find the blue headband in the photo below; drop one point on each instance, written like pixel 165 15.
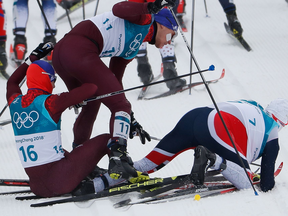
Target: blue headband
pixel 165 18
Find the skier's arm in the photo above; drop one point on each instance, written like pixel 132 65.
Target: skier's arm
pixel 13 83
pixel 269 157
pixel 133 12
pixel 56 104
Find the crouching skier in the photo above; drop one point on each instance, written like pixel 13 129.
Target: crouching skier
pixel 254 132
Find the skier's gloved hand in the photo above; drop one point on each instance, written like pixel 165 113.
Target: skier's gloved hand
pixel 43 49
pixel 155 7
pixel 136 129
pixel 77 106
pixel 80 104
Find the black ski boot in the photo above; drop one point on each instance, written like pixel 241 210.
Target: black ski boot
pixel 169 71
pixel 182 23
pixel 50 38
pixel 121 165
pixel 85 187
pixel 144 70
pixel 203 159
pixel 97 172
pixel 234 24
pixel 3 60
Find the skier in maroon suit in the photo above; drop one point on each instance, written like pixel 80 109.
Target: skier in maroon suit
pixel 117 34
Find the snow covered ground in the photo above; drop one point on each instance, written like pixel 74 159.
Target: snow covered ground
pixel 260 75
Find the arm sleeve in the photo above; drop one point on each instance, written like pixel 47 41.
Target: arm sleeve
pixel 16 78
pixel 56 104
pixel 269 157
pixel 133 12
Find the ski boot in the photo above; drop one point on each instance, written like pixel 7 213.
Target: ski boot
pixel 48 58
pixel 144 70
pixel 180 12
pixel 169 71
pixel 97 172
pixel 17 53
pixel 85 187
pixel 121 165
pixel 3 60
pixel 182 23
pixel 203 159
pixel 234 24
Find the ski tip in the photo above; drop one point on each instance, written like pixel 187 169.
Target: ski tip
pixel 211 68
pixel 256 194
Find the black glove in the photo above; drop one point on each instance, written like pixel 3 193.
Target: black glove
pixel 155 7
pixel 43 49
pixel 136 129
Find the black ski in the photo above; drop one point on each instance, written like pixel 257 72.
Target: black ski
pixel 203 191
pixel 15 192
pixel 240 39
pixel 126 188
pixel 174 91
pixel 74 8
pixel 14 182
pixel 5 122
pixel 189 191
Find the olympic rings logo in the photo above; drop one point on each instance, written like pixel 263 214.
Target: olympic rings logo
pixel 24 119
pixel 135 44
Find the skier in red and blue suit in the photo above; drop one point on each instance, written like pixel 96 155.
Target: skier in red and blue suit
pixel 254 132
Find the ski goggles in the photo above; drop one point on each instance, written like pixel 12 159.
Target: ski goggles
pixel 52 77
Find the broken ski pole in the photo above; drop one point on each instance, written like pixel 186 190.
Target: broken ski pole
pixel 211 68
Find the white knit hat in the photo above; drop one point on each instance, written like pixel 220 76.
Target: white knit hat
pixel 278 109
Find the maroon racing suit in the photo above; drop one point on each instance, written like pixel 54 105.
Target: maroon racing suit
pixel 76 60
pixel 62 176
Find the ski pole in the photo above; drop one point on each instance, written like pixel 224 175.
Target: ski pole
pixel 83 8
pixel 155 138
pixel 214 102
pixel 44 16
pixel 211 68
pixel 206 8
pixel 96 8
pixel 68 16
pixel 192 38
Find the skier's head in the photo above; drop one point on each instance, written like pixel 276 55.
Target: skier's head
pixel 166 28
pixel 278 110
pixel 165 18
pixel 41 75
